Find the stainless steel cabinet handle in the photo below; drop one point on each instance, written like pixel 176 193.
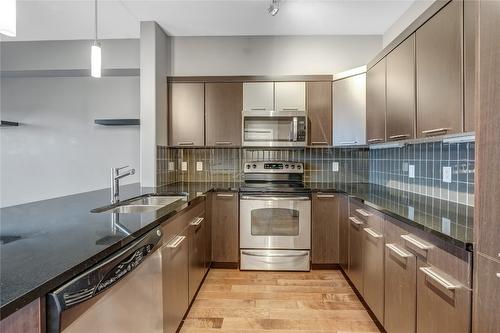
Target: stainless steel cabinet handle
pixel 400 252
pixel 498 275
pixel 275 255
pixel 258 109
pixel 436 130
pixel 295 128
pixel 355 221
pixel 291 109
pixel 176 241
pixel 223 143
pixel 417 242
pixel 364 212
pixel 348 142
pixel 428 271
pixel 197 221
pixel 319 143
pixel 375 140
pixel 399 136
pixel 265 198
pixel 325 196
pixel 225 195
pixel 372 233
pixel 185 143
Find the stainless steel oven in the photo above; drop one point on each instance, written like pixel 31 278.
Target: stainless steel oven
pixel 274 128
pixel 275 218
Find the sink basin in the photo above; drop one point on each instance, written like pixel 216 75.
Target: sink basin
pixel 141 205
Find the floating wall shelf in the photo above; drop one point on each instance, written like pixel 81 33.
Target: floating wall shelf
pixel 9 123
pixel 117 122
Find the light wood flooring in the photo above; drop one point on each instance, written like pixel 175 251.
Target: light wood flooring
pixel 241 302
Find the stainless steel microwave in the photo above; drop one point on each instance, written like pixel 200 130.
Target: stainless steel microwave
pixel 274 128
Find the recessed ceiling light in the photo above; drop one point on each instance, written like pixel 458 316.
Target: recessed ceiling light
pixel 274 7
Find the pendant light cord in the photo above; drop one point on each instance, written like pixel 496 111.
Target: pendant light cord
pixel 95 21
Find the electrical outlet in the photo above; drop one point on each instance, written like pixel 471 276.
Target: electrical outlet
pixel 411 212
pixel 184 166
pixel 199 166
pixel 171 166
pixel 335 166
pixel 446 226
pixel 447 174
pixel 405 166
pixel 411 171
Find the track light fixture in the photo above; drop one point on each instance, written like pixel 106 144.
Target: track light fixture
pixel 95 53
pixel 274 7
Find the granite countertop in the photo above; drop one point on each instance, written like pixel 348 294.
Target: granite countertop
pixel 45 243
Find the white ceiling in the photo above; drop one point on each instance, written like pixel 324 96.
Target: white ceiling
pixel 73 19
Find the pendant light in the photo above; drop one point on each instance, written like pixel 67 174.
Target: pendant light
pixel 8 18
pixel 95 51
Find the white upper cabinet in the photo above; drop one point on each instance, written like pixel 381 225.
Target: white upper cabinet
pixel 258 96
pixel 349 111
pixel 290 96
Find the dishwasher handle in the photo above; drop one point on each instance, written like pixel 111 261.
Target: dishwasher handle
pixel 104 275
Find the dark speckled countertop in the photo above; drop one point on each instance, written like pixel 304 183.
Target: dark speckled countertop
pixel 46 243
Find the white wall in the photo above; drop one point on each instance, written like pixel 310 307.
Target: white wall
pixel 264 55
pixel 58 150
pixel 414 11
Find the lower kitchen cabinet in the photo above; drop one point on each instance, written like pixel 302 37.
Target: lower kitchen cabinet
pixel 225 217
pixel 343 231
pixel 373 268
pixel 325 229
pixel 487 300
pixel 355 260
pixel 400 289
pixel 175 266
pixel 443 303
pixel 28 319
pixel 197 247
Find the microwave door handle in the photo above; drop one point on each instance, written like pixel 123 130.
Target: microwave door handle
pixel 295 129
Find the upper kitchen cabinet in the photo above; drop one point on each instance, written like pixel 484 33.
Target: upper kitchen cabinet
pixel 319 109
pixel 376 102
pixel 439 72
pixel 258 96
pixel 290 96
pixel 349 110
pixel 186 114
pixel 471 45
pixel 401 91
pixel 223 105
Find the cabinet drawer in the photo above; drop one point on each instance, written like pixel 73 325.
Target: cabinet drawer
pixel 443 303
pixel 371 217
pixel 487 289
pixel 179 222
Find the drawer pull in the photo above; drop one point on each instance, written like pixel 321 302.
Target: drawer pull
pixel 355 221
pixel 372 233
pixel 325 196
pixel 176 242
pixel 258 109
pixel 319 143
pixel 197 221
pixel 439 279
pixel 364 212
pixel 348 142
pixel 290 109
pixel 185 143
pixel 225 195
pixel 274 255
pixel 436 130
pixel 400 252
pixel 399 136
pixel 418 243
pixel 223 143
pixel 375 140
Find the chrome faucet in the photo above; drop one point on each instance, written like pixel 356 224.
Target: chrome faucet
pixel 115 182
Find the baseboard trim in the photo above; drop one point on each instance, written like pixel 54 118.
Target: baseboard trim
pixel 325 266
pixel 224 265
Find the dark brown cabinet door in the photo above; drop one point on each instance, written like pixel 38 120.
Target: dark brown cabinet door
pixel 487 301
pixel 225 245
pixel 355 260
pixel 376 103
pixel 401 91
pixel 223 107
pixel 443 304
pixel 471 18
pixel 196 253
pixel 319 109
pixel 343 231
pixel 186 114
pixel 439 72
pixel 325 229
pixel 400 289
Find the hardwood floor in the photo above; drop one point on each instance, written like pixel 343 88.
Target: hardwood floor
pixel 278 302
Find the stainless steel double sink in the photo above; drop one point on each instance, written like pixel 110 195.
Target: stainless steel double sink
pixel 144 204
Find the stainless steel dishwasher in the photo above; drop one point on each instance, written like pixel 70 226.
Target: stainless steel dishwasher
pixel 121 294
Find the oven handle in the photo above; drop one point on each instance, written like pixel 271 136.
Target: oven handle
pixel 276 255
pixel 274 198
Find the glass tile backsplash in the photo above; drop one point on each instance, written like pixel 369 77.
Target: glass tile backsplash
pixel 414 168
pixel 435 169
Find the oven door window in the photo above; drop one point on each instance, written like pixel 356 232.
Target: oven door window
pixel 275 222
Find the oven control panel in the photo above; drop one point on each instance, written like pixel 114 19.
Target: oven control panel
pixel 273 167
